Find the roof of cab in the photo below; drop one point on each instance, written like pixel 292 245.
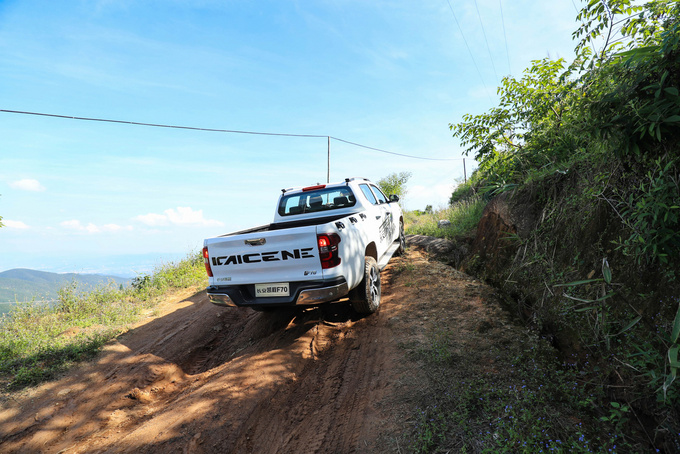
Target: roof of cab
pixel 320 186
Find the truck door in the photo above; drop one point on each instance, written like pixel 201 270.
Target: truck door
pixel 380 218
pixel 390 225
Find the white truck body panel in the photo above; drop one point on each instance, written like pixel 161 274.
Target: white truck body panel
pixel 286 255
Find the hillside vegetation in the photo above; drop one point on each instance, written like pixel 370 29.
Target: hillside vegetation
pixel 22 285
pixel 581 161
pixel 40 340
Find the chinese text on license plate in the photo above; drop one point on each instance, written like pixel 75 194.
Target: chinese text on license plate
pixel 276 289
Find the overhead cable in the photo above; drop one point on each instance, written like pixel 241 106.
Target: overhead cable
pixel 488 48
pixel 231 131
pixel 505 36
pixel 156 125
pixel 575 8
pixel 393 153
pixel 469 51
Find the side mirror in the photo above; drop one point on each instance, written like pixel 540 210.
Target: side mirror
pixel 394 198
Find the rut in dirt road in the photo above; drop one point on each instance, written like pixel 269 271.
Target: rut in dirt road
pixel 203 379
pixel 206 379
pixel 330 402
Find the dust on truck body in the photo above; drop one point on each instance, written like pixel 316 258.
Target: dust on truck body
pixel 327 242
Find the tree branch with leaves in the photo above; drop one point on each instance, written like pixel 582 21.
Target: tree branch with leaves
pixel 395 183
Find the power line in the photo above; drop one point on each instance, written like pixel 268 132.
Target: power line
pixel 469 51
pixel 155 125
pixel 230 131
pixel 393 153
pixel 488 48
pixel 505 36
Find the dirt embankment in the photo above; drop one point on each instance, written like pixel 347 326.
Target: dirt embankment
pixel 202 379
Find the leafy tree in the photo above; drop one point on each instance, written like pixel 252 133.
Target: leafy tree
pixel 611 121
pixel 623 94
pixel 395 183
pixel 528 105
pixel 637 116
pixel 619 25
pixel 620 102
pixel 536 125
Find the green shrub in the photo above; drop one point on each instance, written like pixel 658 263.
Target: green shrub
pixel 463 216
pixel 539 406
pixel 650 210
pixel 462 192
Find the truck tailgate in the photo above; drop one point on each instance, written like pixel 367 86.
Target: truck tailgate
pixel 265 257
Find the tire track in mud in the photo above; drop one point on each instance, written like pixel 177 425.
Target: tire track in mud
pixel 203 379
pixel 325 407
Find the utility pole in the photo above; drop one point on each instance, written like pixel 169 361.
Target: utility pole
pixel 328 171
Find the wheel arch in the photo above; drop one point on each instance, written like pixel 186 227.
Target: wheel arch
pixel 371 251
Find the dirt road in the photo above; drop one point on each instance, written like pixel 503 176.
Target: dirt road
pixel 197 378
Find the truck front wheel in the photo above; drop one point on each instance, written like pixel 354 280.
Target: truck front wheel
pixel 365 297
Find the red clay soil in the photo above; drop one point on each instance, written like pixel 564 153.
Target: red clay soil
pixel 198 378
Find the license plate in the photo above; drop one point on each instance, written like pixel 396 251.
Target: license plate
pixel 275 289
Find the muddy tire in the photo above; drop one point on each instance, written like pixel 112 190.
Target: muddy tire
pixel 365 297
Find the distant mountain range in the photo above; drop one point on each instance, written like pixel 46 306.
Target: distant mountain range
pixel 21 284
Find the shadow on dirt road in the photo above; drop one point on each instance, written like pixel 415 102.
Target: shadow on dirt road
pixel 202 378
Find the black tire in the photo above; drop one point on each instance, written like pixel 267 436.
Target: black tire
pixel 365 297
pixel 402 240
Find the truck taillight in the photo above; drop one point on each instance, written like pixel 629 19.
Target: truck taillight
pixel 206 261
pixel 328 250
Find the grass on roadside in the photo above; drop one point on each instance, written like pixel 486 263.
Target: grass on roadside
pixel 463 215
pixel 38 341
pixel 528 403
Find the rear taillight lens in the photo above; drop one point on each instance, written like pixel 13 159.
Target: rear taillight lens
pixel 328 250
pixel 206 261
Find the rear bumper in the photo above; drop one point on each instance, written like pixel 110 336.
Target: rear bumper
pixel 304 294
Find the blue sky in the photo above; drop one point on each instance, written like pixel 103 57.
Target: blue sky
pixel 90 196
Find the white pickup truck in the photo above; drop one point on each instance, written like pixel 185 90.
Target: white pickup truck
pixel 327 242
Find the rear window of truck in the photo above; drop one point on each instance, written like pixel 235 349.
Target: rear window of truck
pixel 318 200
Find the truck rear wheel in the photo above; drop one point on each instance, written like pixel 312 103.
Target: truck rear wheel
pixel 365 297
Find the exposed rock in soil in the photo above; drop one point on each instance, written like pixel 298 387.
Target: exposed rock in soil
pixel 447 251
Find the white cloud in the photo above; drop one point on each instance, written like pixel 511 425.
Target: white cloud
pixel 178 216
pixel 75 224
pixel 115 228
pixel 153 219
pixel 15 224
pixel 27 184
